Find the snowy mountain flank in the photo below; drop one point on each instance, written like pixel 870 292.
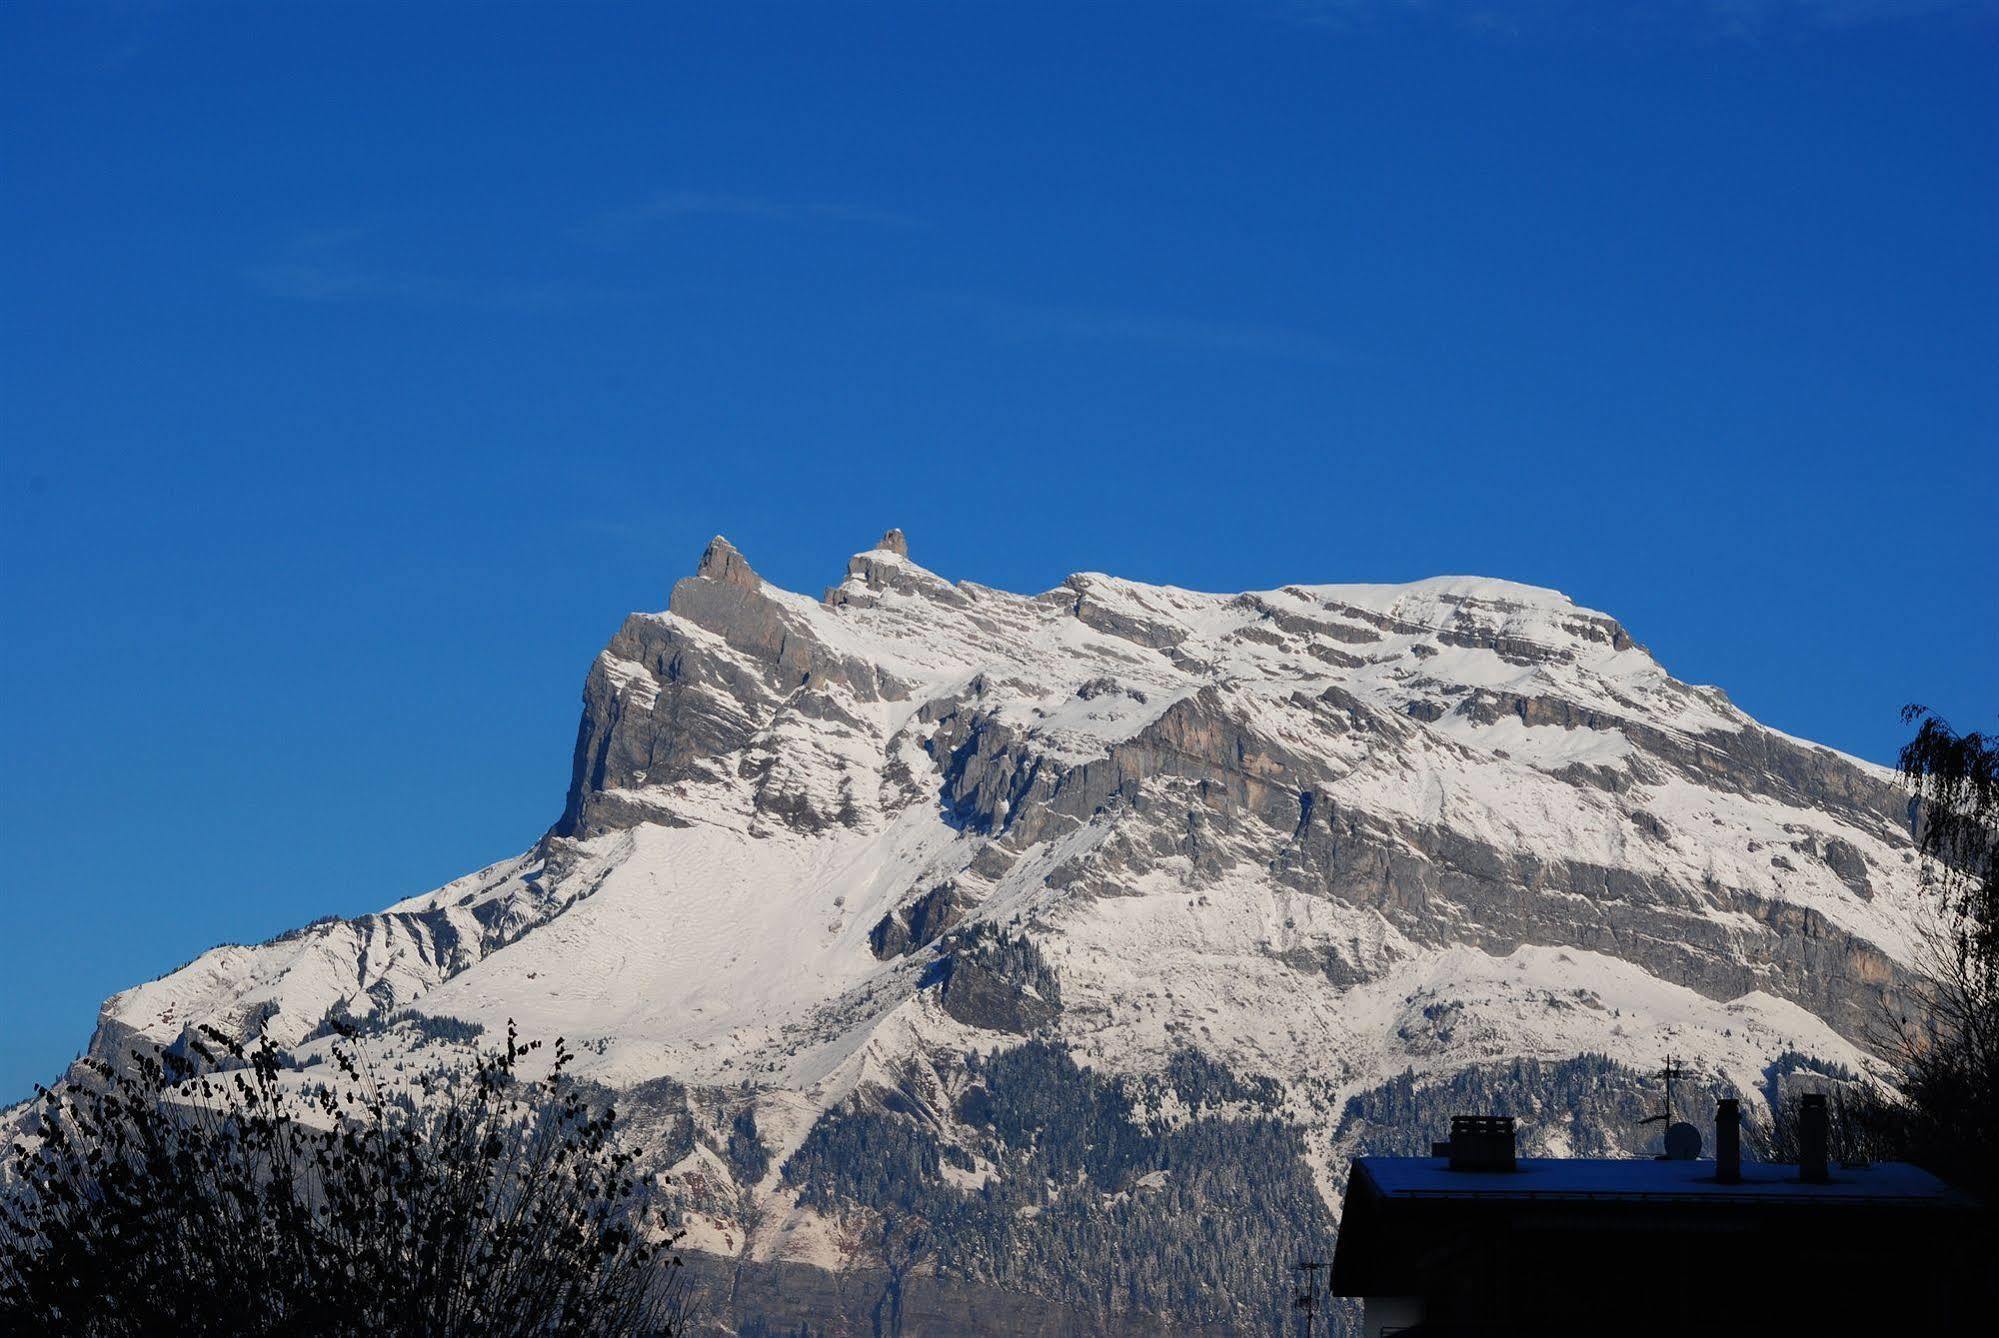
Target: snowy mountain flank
pixel 1092 931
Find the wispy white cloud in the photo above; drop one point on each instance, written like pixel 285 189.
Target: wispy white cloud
pixel 1040 323
pixel 673 205
pixel 1749 17
pixel 326 267
pixel 338 266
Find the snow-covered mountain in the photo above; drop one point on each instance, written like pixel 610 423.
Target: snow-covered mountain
pixel 1095 929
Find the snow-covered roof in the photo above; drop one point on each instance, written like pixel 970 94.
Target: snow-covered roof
pixel 1649 1180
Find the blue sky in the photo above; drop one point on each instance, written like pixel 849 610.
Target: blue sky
pixel 361 366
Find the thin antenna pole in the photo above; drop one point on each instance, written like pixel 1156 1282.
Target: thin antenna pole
pixel 1307 1303
pixel 1672 1073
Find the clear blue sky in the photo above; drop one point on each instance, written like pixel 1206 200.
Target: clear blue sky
pixel 360 367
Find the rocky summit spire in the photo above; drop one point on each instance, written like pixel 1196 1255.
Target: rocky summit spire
pixel 886 566
pixel 798 839
pixel 721 562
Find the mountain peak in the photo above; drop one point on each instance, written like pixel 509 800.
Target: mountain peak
pixel 887 566
pixel 1345 857
pixel 720 561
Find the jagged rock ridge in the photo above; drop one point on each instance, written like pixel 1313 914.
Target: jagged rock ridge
pixel 884 868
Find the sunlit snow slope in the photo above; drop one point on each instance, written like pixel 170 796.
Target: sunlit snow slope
pixel 1324 835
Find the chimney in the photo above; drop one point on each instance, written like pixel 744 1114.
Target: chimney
pixel 1728 1141
pixel 1814 1124
pixel 1482 1143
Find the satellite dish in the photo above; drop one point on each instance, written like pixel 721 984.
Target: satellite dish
pixel 1683 1142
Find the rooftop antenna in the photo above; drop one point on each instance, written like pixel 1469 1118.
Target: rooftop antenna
pixel 1307 1302
pixel 1672 1073
pixel 1682 1141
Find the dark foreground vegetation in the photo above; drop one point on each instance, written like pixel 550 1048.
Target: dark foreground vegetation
pixel 1948 1048
pixel 212 1192
pixel 1944 1111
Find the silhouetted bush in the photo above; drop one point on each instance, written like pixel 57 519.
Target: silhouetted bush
pixel 1949 1043
pixel 1863 1125
pixel 213 1192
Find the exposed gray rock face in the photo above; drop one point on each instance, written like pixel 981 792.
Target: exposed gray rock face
pixel 709 680
pixel 920 923
pixel 1225 879
pixel 721 562
pixel 887 567
pixel 1439 885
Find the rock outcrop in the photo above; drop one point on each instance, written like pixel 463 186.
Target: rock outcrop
pixel 1078 910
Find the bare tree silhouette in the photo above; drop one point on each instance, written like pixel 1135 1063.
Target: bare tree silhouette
pixel 217 1192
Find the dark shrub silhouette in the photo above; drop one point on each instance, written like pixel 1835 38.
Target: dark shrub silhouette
pixel 213 1192
pixel 1950 1045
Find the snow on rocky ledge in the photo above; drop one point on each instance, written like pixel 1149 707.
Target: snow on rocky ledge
pixel 1292 828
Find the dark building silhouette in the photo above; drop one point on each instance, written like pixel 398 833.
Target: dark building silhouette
pixel 1476 1241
